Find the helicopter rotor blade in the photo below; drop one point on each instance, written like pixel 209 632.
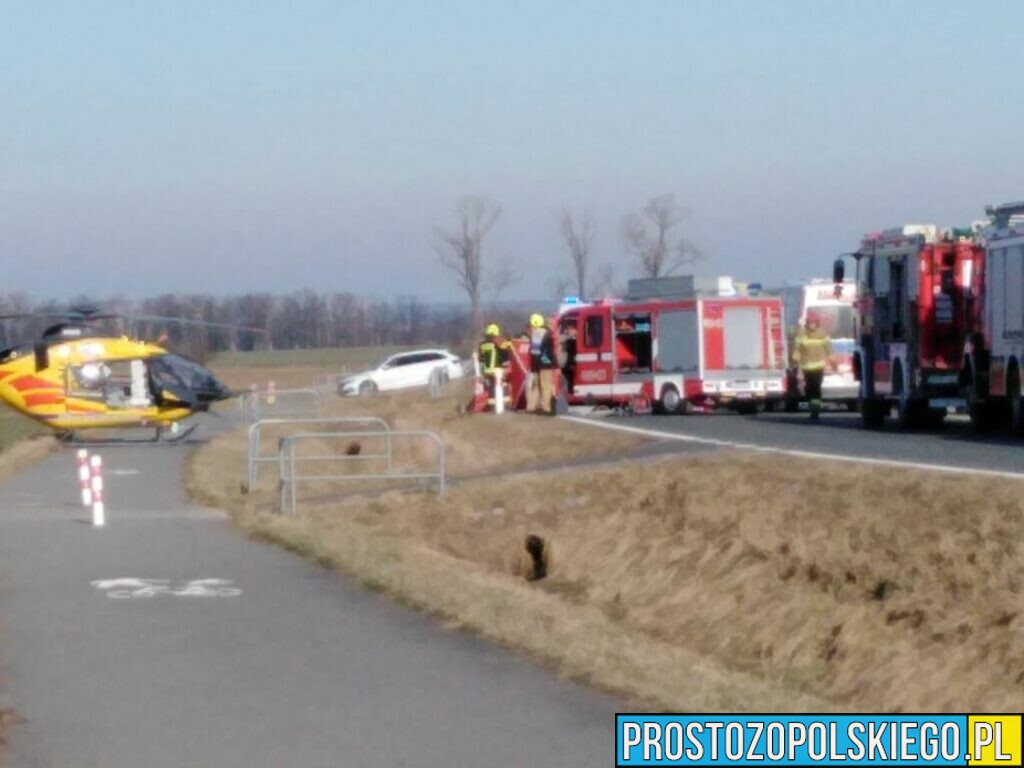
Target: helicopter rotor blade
pixel 187 321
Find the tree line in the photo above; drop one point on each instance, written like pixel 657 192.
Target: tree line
pixel 651 239
pixel 301 320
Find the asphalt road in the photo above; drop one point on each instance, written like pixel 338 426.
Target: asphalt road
pixel 299 669
pixel 841 434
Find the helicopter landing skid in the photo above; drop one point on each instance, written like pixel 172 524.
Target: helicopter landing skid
pixel 162 436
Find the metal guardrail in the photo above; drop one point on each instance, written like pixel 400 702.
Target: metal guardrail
pixel 253 458
pixel 281 403
pixel 288 462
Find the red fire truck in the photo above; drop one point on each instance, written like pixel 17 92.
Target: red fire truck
pixel 677 342
pixel 918 290
pixel 993 355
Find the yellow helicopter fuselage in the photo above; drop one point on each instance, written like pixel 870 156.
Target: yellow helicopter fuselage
pixel 55 384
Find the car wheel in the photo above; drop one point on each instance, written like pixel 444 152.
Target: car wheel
pixel 367 388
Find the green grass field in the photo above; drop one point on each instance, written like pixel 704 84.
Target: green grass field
pixel 308 358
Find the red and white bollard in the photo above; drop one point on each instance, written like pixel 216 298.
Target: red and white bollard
pixel 99 518
pixel 84 477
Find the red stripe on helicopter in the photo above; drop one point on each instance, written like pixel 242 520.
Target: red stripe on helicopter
pixel 23 383
pixel 5 374
pixel 44 398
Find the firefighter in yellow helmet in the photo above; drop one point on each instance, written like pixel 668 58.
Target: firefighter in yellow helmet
pixel 493 354
pixel 543 363
pixel 493 350
pixel 812 351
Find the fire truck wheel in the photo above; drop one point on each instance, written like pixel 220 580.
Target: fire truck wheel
pixel 910 413
pixel 873 412
pixel 1016 403
pixel 979 410
pixel 1017 416
pixel 792 404
pixel 670 401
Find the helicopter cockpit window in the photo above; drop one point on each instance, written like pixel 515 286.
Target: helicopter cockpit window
pixel 115 383
pixel 172 370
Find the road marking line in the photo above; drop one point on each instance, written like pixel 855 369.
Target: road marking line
pixel 683 438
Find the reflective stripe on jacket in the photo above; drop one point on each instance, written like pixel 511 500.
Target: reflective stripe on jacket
pixel 493 354
pixel 812 350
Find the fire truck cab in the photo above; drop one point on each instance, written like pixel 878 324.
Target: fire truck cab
pixel 676 343
pixel 994 355
pixel 918 293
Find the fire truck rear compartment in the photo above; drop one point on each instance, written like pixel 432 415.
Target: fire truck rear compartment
pixel 633 343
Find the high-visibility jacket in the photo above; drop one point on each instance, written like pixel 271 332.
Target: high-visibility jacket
pixel 812 349
pixel 493 354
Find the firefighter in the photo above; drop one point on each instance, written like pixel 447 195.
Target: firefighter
pixel 543 363
pixel 812 351
pixel 493 354
pixel 493 350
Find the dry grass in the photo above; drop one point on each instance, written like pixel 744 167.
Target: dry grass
pixel 17 456
pixel 728 582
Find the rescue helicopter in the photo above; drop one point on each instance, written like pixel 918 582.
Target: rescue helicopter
pixel 80 377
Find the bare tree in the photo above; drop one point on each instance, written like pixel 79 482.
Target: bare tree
pixel 502 277
pixel 578 235
pixel 651 237
pixel 461 248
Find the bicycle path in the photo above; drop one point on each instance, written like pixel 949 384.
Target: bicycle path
pixel 277 663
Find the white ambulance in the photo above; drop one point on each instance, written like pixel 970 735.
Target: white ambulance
pixel 818 298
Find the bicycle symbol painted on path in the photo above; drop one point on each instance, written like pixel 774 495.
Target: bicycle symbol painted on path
pixel 126 588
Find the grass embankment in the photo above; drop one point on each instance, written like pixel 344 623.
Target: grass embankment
pixel 725 582
pixel 14 427
pixel 22 442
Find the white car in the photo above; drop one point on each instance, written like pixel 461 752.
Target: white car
pixel 404 370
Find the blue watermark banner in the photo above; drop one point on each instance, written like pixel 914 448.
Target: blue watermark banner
pixel 791 740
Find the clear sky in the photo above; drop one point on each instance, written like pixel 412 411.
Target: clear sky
pixel 235 146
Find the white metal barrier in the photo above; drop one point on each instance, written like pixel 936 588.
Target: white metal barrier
pixel 289 462
pixel 253 457
pixel 281 403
